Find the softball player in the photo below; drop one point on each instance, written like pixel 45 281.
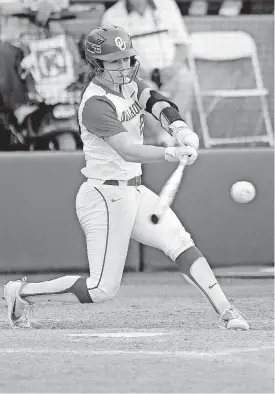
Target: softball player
pixel 112 205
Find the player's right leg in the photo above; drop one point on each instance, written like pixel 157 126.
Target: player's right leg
pixel 99 214
pixel 171 237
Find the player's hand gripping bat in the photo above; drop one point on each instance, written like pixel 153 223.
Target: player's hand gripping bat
pixel 169 191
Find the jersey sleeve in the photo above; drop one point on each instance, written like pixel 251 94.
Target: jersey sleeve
pixel 100 118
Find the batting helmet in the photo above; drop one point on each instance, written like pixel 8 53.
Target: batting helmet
pixel 108 43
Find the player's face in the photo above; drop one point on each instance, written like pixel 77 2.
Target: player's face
pixel 117 71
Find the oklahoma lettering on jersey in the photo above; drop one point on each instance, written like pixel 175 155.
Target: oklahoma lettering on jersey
pixel 103 113
pixel 131 112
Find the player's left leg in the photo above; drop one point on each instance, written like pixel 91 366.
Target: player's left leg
pixel 99 210
pixel 170 236
pixel 20 296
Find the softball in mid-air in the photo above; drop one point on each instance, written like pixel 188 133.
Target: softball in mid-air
pixel 243 192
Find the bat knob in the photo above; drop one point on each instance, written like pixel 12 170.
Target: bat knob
pixel 154 219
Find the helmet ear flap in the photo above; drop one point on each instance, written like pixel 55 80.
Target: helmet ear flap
pixel 96 65
pixel 100 63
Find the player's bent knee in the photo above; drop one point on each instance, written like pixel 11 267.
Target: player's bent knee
pixel 99 295
pixel 181 242
pixel 87 294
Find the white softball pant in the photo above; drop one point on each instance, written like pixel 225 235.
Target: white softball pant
pixel 110 216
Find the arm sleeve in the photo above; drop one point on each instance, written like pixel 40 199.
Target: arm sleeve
pixel 100 118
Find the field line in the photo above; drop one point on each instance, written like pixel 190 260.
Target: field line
pixel 187 353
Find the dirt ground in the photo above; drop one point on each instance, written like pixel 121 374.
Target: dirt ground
pixel 158 335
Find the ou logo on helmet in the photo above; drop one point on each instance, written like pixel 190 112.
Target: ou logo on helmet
pixel 120 43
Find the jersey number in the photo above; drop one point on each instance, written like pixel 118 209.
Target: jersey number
pixel 141 123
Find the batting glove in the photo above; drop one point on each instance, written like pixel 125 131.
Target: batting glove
pixel 184 135
pixel 175 154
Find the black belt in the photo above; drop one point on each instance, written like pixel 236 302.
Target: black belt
pixel 136 181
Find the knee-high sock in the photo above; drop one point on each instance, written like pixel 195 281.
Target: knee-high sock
pixel 196 270
pixel 63 289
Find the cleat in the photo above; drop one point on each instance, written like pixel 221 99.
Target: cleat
pixel 17 306
pixel 232 319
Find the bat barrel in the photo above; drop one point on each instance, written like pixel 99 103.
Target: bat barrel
pixel 168 192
